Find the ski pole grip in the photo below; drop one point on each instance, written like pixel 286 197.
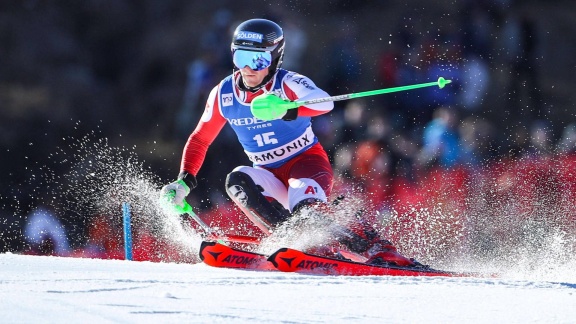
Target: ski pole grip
pixel 184 209
pixel 168 206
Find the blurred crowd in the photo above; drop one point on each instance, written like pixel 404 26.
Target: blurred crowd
pixel 146 72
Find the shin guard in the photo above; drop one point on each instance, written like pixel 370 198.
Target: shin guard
pixel 249 198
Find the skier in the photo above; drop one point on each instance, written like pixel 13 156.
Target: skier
pixel 291 171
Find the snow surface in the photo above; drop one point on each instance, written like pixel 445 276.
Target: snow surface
pixel 39 289
pixel 535 258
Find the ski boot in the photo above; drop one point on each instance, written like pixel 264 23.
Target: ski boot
pixel 326 251
pixel 384 253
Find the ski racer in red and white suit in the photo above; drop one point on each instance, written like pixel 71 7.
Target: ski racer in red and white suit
pixel 289 165
pixel 290 170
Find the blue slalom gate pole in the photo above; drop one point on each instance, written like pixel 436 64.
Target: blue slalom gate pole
pixel 127 231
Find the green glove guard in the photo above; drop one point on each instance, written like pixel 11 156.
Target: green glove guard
pixel 168 206
pixel 269 107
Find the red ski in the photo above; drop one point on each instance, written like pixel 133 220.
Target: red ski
pixel 219 255
pixel 289 260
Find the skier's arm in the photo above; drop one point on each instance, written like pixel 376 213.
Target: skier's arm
pixel 296 87
pixel 194 153
pixel 300 88
pixel 208 128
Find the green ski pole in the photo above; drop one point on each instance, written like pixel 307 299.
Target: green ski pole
pixel 440 83
pixel 269 106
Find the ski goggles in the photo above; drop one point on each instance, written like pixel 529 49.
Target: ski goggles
pixel 257 61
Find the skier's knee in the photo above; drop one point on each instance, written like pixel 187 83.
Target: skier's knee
pixel 239 186
pixel 242 189
pixel 304 191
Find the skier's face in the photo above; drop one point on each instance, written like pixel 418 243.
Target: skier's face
pixel 253 78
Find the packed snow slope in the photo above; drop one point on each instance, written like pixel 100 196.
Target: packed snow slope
pixel 54 290
pixel 534 253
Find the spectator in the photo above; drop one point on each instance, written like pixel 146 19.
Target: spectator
pixel 475 81
pixel 354 119
pixel 441 140
pixel 45 234
pixel 371 173
pixel 475 140
pixel 540 140
pixel 567 143
pixel 403 153
pixel 518 143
